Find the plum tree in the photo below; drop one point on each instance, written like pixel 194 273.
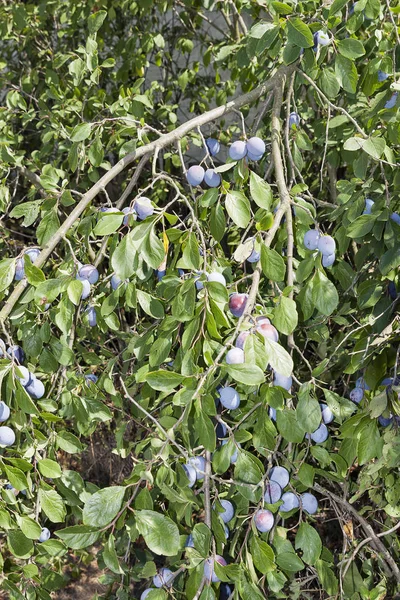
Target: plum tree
pixel 199 284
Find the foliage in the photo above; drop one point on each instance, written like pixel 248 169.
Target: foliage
pixel 86 86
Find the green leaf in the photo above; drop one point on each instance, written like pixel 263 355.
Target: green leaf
pixel 7 270
pixel 289 561
pixel 279 359
pixel 79 536
pixel 28 210
pixel 74 291
pixel 346 73
pixel 285 315
pixel 324 294
pixel 375 147
pixel 341 407
pixel 48 226
pixel 152 249
pixel 272 264
pixel 327 577
pixel 309 542
pixel 16 477
pixel 191 254
pixel 48 290
pixel 164 381
pixel 68 442
pixel 217 222
pixel 33 274
pixel 81 132
pixel 18 544
pixel 238 208
pixel 288 425
pixel 206 431
pixel 308 411
pixel 160 533
pixel 49 468
pixel 350 48
pixel 361 226
pixel 247 374
pixel 96 20
pixel 329 83
pixel 262 554
pixel 336 6
pixel 299 33
pixel 101 508
pixel 29 528
pixel 260 191
pixel 123 258
pixel 52 505
pixel 108 223
pixel 150 305
pixel 390 260
pixel 110 556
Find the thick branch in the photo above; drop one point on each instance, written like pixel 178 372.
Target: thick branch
pixel 162 142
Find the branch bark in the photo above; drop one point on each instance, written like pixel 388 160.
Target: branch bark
pixel 162 142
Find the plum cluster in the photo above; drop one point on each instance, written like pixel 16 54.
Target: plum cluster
pixel 29 381
pixel 325 244
pixel 33 254
pixel 358 393
pixel 253 149
pixel 278 480
pixel 35 389
pixel 369 203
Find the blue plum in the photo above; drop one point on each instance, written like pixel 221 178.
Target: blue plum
pixel 263 520
pixel 238 150
pixel 294 120
pixel 280 475
pixel 209 572
pixel 4 412
pixel 212 178
pixel 195 175
pixel 213 146
pixel 7 436
pixel 290 502
pixel 229 397
pixel 273 492
pixel 88 273
pixel 309 503
pixel 237 304
pixel 143 208
pixel 16 353
pixel 235 356
pixel 164 577
pixel 255 146
pixel 44 535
